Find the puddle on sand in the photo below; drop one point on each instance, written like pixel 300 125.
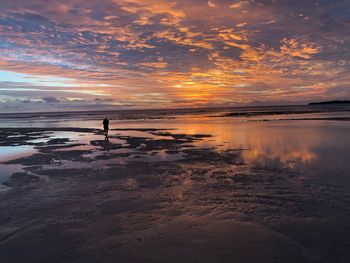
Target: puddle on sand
pixel 94 165
pixel 8 153
pixel 6 171
pixel 86 138
pixel 160 156
pixel 100 152
pixel 78 148
pixel 142 134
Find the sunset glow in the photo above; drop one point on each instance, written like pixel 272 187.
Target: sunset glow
pixel 118 54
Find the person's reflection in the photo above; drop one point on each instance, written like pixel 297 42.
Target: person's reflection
pixel 106 128
pixel 106 146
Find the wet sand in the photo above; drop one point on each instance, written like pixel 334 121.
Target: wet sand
pixel 158 197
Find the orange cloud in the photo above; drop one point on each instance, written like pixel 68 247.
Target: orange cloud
pixel 296 49
pixel 162 53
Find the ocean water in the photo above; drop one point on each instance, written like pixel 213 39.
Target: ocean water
pixel 311 140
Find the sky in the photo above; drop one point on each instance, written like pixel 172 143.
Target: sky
pixel 119 54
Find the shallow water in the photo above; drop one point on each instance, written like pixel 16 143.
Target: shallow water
pixel 14 152
pixel 305 146
pixel 309 146
pixel 6 171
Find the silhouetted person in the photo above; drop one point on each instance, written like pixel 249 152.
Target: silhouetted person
pixel 106 128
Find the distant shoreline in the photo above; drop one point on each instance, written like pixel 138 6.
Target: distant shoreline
pixel 332 102
pixel 150 110
pixel 235 111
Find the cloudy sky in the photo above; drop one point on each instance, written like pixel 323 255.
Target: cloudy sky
pixel 99 54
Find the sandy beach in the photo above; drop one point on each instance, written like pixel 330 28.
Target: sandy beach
pixel 155 195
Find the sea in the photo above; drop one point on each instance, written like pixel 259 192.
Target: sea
pixel 310 139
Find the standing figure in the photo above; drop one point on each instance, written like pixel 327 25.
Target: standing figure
pixel 106 128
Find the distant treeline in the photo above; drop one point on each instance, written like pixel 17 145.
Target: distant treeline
pixel 331 102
